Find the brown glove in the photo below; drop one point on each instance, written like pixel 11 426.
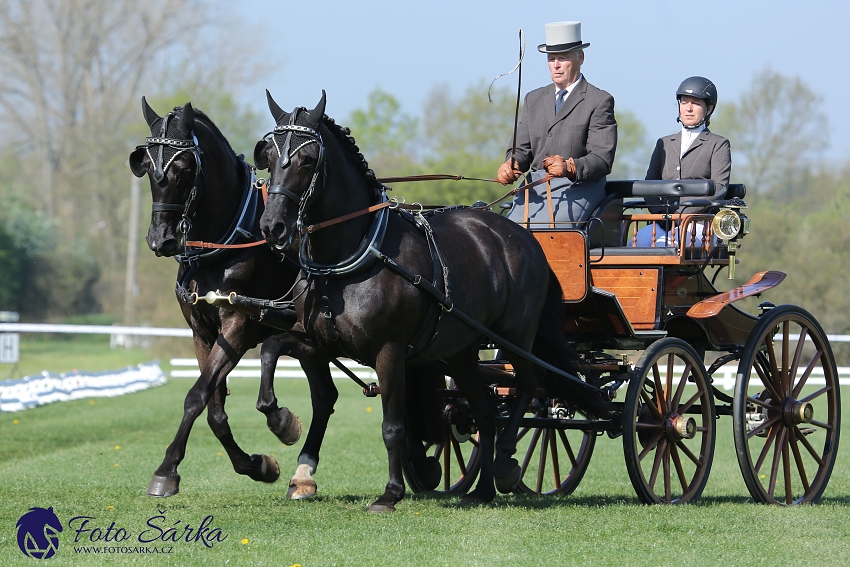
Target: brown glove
pixel 560 167
pixel 508 172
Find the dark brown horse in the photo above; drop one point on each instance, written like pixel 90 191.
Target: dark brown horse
pixel 203 191
pixel 354 306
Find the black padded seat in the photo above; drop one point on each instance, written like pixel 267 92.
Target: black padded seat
pixel 653 188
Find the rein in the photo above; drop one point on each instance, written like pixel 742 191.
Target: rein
pixel 414 207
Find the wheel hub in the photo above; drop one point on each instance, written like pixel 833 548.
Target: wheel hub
pixel 680 427
pixel 795 412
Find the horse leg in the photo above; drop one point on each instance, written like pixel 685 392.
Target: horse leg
pixel 506 469
pixel 464 366
pixel 258 467
pixel 283 423
pixel 216 362
pixel 166 480
pixel 323 394
pixel 390 369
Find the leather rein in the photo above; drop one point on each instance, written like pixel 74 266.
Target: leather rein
pixel 394 204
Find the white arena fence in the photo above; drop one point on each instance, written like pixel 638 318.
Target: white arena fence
pixel 289 368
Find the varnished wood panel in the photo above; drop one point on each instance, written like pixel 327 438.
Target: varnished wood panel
pixel 636 289
pixel 566 252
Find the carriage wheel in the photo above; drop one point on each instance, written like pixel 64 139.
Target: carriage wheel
pixel 454 461
pixel 669 424
pixel 555 460
pixel 786 417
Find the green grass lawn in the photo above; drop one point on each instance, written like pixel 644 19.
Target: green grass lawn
pixel 95 458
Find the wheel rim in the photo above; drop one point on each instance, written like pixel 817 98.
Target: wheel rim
pixel 787 416
pixel 668 427
pixel 554 460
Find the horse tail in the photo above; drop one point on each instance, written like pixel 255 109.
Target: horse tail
pixel 551 345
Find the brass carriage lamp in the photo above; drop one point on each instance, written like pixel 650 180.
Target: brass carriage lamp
pixel 730 224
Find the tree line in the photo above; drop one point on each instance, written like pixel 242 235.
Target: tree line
pixel 72 73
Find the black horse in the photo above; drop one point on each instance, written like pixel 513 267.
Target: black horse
pixel 493 270
pixel 203 191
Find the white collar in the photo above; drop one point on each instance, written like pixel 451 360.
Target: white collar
pixel 689 135
pixel 569 88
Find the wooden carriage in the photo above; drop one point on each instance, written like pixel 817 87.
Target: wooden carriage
pixel 651 329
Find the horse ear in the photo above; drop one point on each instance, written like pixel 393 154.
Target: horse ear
pixel 136 162
pixel 317 113
pixel 277 112
pixel 187 119
pixel 151 117
pixel 261 160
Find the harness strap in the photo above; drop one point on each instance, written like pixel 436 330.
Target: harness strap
pixel 319 226
pixel 201 244
pixel 281 190
pixel 433 177
pixel 158 207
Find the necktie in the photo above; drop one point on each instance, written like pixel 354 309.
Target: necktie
pixel 559 100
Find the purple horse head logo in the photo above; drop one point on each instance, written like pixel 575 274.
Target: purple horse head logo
pixel 38 533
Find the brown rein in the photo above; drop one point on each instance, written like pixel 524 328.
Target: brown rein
pixel 201 244
pixel 432 177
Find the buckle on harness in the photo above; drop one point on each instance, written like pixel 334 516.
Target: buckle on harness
pixel 372 390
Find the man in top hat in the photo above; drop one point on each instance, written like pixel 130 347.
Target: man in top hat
pixel 567 130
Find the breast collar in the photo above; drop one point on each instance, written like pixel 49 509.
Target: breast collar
pixel 361 259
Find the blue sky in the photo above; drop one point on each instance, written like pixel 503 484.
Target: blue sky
pixel 639 51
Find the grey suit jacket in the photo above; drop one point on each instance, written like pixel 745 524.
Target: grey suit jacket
pixel 585 130
pixel 709 157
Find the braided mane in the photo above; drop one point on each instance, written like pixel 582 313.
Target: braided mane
pixel 343 135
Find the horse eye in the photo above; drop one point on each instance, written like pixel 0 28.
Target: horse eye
pixel 185 173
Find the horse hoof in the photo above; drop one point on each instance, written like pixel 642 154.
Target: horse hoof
pixel 378 508
pixel 269 470
pixel 429 473
pixel 510 481
pixel 300 488
pixel 286 426
pixel 164 486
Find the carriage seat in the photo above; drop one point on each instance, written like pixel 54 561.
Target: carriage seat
pixel 611 233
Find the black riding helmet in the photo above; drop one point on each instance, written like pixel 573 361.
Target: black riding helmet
pixel 699 87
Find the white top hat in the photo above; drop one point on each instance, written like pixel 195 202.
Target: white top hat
pixel 562 37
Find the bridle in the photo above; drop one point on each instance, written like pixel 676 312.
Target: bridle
pixel 285 153
pixel 363 256
pixel 189 207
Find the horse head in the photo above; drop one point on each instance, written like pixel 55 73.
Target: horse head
pixel 294 154
pixel 171 158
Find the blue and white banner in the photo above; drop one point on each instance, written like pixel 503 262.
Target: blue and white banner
pixel 31 391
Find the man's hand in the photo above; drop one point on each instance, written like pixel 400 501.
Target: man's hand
pixel 508 172
pixel 560 167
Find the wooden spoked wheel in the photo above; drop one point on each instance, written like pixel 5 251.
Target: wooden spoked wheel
pixel 786 411
pixel 669 424
pixel 553 460
pixel 453 462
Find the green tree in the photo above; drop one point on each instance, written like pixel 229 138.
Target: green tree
pixel 777 131
pixel 465 135
pixel 384 134
pixel 633 150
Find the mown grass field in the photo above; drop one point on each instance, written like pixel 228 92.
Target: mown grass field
pixel 95 458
